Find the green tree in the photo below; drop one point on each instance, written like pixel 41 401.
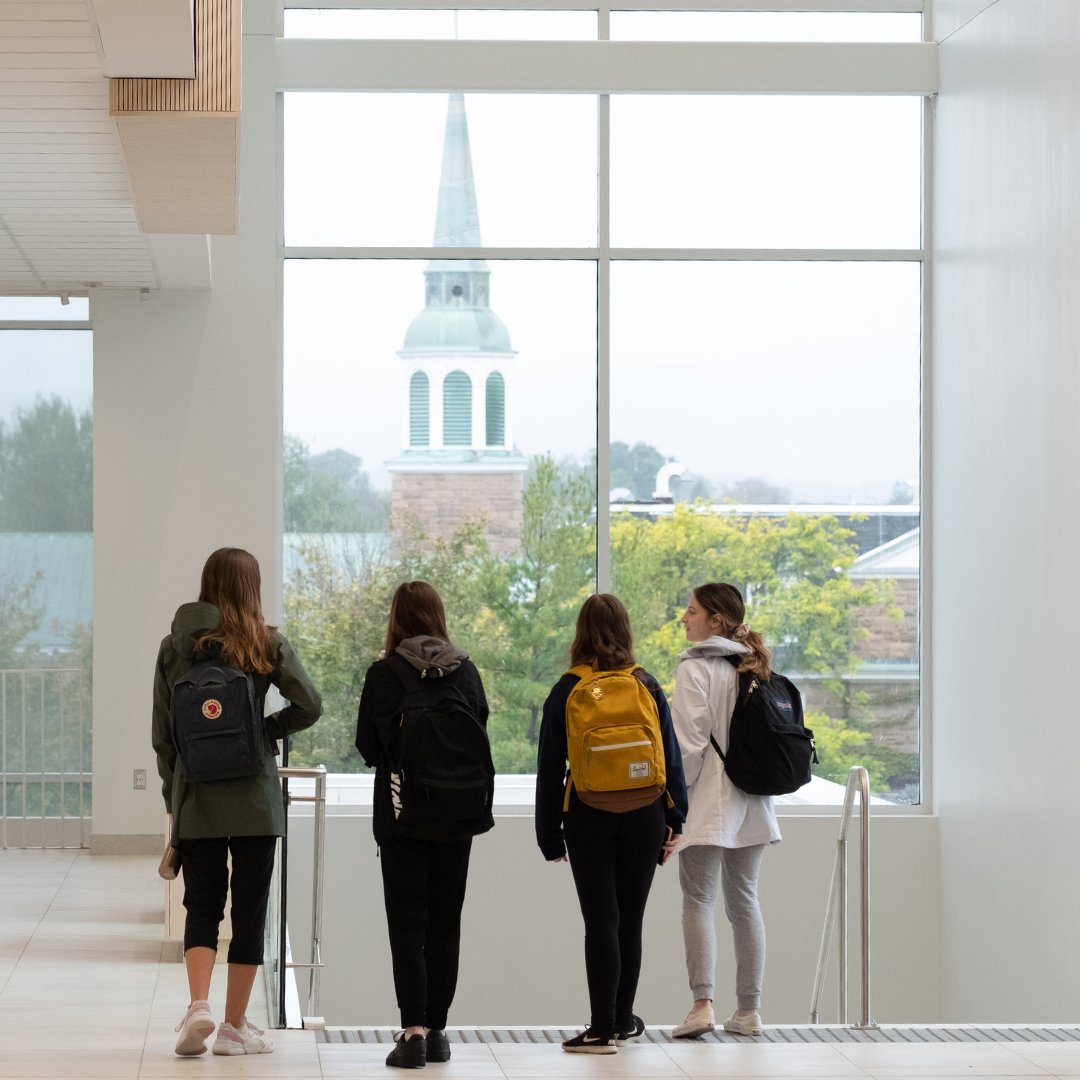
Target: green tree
pixel 46 469
pixel 20 616
pixel 329 492
pixel 791 569
pixel 635 467
pixel 337 602
pixel 903 494
pixel 840 748
pixel 528 606
pixel 515 615
pixel 756 490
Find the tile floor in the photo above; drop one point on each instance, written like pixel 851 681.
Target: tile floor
pixel 83 994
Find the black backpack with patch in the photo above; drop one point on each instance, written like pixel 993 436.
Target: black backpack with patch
pixel 769 748
pixel 442 779
pixel 217 722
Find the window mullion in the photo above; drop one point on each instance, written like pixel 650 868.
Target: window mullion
pixel 603 344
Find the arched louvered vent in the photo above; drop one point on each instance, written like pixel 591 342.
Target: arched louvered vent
pixel 495 410
pixel 457 410
pixel 419 410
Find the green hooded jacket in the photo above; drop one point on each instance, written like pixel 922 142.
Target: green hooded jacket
pixel 248 805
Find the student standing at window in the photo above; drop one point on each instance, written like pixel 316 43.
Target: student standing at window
pixel 241 816
pixel 424 864
pixel 726 830
pixel 613 856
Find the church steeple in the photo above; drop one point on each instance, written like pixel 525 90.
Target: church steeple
pixel 458 463
pixel 457 292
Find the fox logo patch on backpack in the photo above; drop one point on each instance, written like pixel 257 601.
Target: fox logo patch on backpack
pixel 769 748
pixel 217 724
pixel 442 779
pixel 613 740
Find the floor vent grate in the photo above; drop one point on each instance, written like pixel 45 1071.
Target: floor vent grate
pixel 794 1035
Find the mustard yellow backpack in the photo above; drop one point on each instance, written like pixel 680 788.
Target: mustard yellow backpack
pixel 613 740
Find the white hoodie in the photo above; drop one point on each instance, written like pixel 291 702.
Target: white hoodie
pixel 706 687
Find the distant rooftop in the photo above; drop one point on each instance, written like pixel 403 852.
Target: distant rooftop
pixel 873 524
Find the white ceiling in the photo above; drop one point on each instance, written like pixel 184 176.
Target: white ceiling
pixel 68 219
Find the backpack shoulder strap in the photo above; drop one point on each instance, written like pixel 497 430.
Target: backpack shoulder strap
pixel 743 679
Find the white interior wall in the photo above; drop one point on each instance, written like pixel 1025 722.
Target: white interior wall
pixel 1004 512
pixel 522 959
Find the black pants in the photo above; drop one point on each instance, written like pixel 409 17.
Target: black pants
pixel 424 890
pixel 613 858
pixel 206 884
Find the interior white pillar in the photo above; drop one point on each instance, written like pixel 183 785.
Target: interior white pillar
pixel 187 458
pixel 1004 515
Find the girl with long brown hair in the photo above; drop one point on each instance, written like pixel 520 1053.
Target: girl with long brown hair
pixel 727 830
pixel 242 816
pixel 613 856
pixel 424 876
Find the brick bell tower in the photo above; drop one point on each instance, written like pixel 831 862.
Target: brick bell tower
pixel 458 461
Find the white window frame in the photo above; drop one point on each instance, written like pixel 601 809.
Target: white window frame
pixel 603 68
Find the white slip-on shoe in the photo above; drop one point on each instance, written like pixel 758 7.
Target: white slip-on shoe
pixel 697 1022
pixel 743 1025
pixel 246 1039
pixel 196 1027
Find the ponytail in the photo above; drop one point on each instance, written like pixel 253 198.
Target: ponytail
pixel 725 602
pixel 759 659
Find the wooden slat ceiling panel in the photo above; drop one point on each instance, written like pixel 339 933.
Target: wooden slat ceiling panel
pixel 67 217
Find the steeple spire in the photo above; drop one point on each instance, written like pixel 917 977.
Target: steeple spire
pixel 457 315
pixel 457 223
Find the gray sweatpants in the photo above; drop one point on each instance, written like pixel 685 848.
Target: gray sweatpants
pixel 701 867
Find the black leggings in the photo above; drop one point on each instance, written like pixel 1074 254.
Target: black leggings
pixel 613 858
pixel 424 890
pixel 206 883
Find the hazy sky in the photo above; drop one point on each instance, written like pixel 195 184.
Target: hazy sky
pixel 43 363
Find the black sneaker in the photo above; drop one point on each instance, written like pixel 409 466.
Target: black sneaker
pixel 629 1032
pixel 409 1052
pixel 438 1046
pixel 591 1042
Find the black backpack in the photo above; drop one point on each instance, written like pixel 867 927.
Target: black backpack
pixel 769 747
pixel 217 722
pixel 443 780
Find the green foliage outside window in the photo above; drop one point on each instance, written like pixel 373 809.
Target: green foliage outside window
pixel 515 615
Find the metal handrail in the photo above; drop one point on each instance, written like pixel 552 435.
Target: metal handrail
pixel 859 778
pixel 318 774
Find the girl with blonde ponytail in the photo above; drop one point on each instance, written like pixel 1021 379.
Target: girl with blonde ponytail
pixel 726 830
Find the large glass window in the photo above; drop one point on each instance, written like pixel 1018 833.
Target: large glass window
pixel 747 348
pixel 761 172
pixel 785 429
pixel 366 169
pixel 496 510
pixel 46 523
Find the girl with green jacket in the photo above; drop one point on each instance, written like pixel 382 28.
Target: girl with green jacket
pixel 240 816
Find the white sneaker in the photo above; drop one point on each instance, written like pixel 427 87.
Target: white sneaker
pixel 246 1039
pixel 196 1027
pixel 743 1025
pixel 697 1022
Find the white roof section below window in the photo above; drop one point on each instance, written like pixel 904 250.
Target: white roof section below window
pixel 898 558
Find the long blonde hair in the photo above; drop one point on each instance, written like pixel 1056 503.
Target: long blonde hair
pixel 231 582
pixel 725 602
